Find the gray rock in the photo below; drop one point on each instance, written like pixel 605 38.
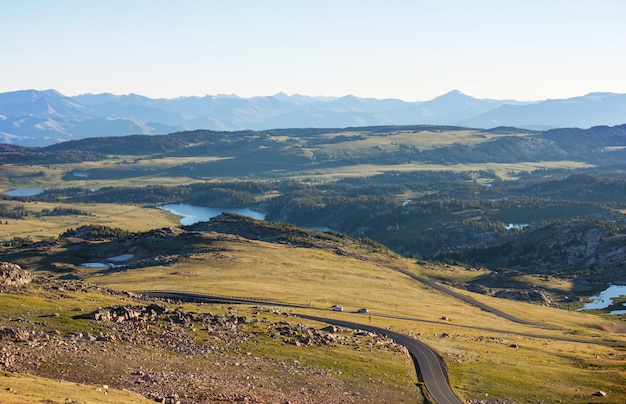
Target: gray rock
pixel 13 275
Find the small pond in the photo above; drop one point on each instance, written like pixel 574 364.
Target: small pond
pixel 95 265
pixel 24 192
pixel 119 258
pixel 193 214
pixel 603 299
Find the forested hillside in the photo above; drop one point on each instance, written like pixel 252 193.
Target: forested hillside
pixel 535 202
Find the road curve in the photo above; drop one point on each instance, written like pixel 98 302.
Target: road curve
pixel 429 367
pixel 471 301
pixel 203 298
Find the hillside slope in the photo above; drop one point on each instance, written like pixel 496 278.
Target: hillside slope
pixel 261 353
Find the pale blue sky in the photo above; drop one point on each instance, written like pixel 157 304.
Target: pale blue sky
pixel 412 50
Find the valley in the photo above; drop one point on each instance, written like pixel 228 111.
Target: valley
pixel 479 244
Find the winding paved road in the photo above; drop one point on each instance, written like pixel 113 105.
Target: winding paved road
pixel 429 367
pixel 469 300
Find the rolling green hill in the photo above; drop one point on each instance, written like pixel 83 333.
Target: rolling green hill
pixel 425 224
pixel 483 198
pixel 73 317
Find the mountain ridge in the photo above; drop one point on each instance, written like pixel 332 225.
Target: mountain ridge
pixel 41 118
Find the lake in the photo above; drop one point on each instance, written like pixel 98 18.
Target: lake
pixel 193 214
pixel 24 192
pixel 96 265
pixel 603 299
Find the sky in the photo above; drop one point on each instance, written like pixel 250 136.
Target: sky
pixel 412 50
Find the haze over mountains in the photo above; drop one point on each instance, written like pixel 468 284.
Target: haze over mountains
pixel 40 118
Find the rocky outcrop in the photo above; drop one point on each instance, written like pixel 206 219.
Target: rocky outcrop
pixel 301 335
pixel 169 354
pixel 13 275
pixel 122 313
pixel 532 295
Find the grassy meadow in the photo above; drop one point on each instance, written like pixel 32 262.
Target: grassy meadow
pixel 274 157
pixel 476 346
pixel 26 389
pixel 157 171
pixel 363 369
pixel 487 356
pixel 38 228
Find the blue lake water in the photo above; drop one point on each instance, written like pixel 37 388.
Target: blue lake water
pixel 95 265
pixel 24 192
pixel 603 299
pixel 193 214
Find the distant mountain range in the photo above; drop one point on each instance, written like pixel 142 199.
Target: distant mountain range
pixel 41 118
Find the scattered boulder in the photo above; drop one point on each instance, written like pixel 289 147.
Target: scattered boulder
pixel 7 358
pixel 476 288
pixel 13 275
pixel 599 393
pixel 526 295
pixel 166 399
pixel 123 313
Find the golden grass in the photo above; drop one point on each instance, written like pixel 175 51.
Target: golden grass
pixel 503 170
pixel 319 278
pixel 51 176
pixel 15 176
pixel 26 389
pixel 477 349
pixel 128 217
pixel 531 370
pixel 421 139
pixel 568 323
pixel 313 277
pixel 450 273
pixel 19 176
pixel 476 346
pixel 387 371
pixel 58 311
